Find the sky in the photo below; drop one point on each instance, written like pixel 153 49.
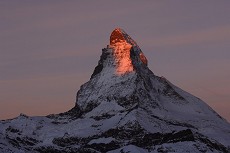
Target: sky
pixel 48 48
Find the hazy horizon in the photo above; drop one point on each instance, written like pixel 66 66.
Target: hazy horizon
pixel 50 48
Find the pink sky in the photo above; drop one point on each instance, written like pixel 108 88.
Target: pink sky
pixel 49 48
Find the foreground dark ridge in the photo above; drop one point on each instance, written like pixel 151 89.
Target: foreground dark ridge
pixel 124 107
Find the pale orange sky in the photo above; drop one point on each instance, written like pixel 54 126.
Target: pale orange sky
pixel 49 48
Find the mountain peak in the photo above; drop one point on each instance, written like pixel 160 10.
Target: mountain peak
pixel 119 36
pixel 122 53
pixel 121 49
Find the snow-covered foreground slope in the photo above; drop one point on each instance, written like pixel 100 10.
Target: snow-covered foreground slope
pixel 124 107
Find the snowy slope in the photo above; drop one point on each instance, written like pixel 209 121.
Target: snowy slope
pixel 124 107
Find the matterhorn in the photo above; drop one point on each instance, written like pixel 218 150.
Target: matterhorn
pixel 123 108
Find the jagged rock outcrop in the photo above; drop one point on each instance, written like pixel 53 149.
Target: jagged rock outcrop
pixel 124 107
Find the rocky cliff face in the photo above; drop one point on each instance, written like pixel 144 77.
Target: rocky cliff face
pixel 124 107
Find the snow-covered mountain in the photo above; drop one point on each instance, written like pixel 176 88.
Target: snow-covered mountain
pixel 123 108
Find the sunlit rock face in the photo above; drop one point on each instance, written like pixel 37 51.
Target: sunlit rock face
pixel 143 59
pixel 121 56
pixel 122 45
pixel 121 52
pixel 117 37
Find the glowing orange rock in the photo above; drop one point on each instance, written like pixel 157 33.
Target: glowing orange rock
pixel 121 52
pixel 143 59
pixel 122 43
pixel 116 36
